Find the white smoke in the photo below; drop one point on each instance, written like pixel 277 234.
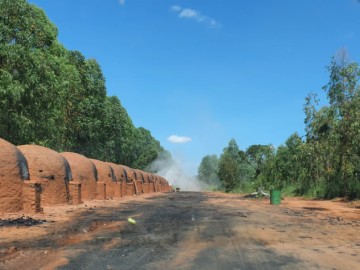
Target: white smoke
pixel 175 174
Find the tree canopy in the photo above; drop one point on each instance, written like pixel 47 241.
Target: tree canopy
pixel 325 163
pixel 57 98
pixel 208 170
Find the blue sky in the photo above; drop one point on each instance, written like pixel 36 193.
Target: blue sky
pixel 211 70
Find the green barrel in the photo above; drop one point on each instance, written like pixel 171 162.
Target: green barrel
pixel 275 197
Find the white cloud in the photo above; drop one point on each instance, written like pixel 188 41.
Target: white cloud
pixel 179 139
pixel 192 14
pixel 189 13
pixel 176 8
pixel 122 2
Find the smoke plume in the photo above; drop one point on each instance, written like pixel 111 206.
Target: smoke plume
pixel 172 170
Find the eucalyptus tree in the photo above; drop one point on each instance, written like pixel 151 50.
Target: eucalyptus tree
pixel 343 92
pixel 30 110
pixel 146 148
pixel 233 170
pixel 57 98
pixel 257 155
pixel 333 134
pixel 208 170
pixel 84 108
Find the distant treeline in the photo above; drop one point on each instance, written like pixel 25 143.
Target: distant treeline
pixel 54 97
pixel 325 163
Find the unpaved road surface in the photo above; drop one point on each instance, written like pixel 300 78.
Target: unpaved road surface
pixel 187 230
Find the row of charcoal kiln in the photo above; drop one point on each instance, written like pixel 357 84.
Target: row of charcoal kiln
pixel 33 176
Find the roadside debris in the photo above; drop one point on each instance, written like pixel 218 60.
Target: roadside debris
pixel 257 195
pixel 22 221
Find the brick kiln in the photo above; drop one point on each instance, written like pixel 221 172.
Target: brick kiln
pixel 156 183
pixel 146 176
pixel 138 175
pixel 151 183
pixel 139 181
pixel 83 172
pixel 146 182
pixel 119 176
pixel 106 179
pixel 124 179
pixel 49 176
pixel 164 184
pixel 51 170
pixel 131 179
pixel 13 172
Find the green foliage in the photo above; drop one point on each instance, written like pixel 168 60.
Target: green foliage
pixel 233 169
pixel 26 25
pixel 326 164
pixel 289 190
pixel 57 98
pixel 84 106
pixel 31 104
pixel 229 166
pixel 257 156
pixel 208 170
pixel 146 148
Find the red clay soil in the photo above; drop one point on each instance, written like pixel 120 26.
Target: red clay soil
pixel 105 175
pixel 13 170
pixel 186 231
pixel 52 170
pixel 84 172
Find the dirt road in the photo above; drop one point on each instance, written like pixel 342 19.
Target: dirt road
pixel 188 230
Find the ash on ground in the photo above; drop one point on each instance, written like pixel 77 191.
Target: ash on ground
pixel 22 222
